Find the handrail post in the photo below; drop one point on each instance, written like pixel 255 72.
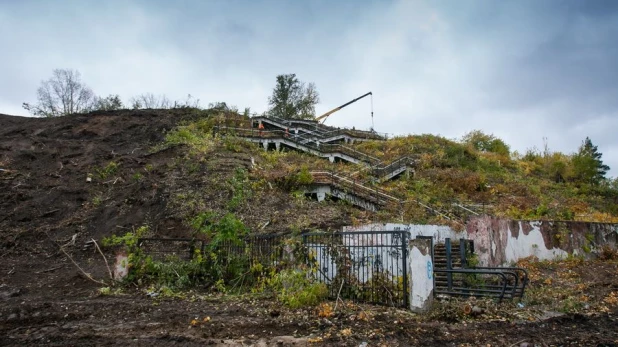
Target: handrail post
pixel 463 253
pixel 449 266
pixel 404 253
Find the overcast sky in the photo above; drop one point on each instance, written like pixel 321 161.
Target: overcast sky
pixel 522 70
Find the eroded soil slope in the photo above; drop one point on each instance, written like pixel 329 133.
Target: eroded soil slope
pixel 46 202
pixel 45 196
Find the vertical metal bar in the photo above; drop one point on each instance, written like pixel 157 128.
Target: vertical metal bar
pixel 463 253
pixel 303 239
pixel 342 249
pixel 449 265
pixel 374 288
pixel 404 257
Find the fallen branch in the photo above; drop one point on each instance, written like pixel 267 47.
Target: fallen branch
pixel 71 241
pixel 49 270
pixel 111 276
pixel 88 276
pixel 48 213
pixel 112 181
pixel 518 343
pixel 338 295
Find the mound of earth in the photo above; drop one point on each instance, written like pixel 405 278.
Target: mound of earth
pixel 82 177
pixel 66 181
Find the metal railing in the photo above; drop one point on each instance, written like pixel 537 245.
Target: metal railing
pixel 373 194
pixel 262 247
pixel 299 141
pixel 324 131
pixel 166 248
pixel 364 266
pixel 497 282
pixel 472 284
pixel 517 285
pixel 379 171
pixel 373 164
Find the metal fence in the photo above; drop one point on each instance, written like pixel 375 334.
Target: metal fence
pixel 257 248
pixel 364 266
pixel 453 276
pixel 164 249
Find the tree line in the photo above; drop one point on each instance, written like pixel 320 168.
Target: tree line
pixel 586 165
pixel 65 93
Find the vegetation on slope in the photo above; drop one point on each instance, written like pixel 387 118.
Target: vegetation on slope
pixel 480 172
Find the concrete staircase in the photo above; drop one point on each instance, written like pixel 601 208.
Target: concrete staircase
pixel 440 262
pixel 276 139
pixel 325 133
pixel 453 276
pixel 347 188
pixel 361 193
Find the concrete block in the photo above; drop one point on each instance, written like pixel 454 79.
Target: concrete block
pixel 421 275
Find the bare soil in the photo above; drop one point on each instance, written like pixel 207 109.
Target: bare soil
pixel 46 202
pixel 61 307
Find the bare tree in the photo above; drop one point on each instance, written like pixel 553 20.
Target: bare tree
pixel 110 103
pixel 62 94
pixel 190 102
pixel 149 100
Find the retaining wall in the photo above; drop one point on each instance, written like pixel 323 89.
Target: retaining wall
pixel 502 242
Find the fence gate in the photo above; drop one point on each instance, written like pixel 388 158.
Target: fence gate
pixel 364 266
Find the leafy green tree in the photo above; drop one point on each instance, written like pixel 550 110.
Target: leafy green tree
pixel 292 99
pixel 62 94
pixel 486 143
pixel 587 164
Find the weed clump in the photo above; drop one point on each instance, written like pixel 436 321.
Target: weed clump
pixel 295 288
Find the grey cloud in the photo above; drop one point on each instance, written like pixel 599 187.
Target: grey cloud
pixel 522 70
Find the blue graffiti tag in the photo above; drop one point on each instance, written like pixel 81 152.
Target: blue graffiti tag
pixel 429 270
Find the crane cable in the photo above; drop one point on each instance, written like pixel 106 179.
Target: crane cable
pixel 372 128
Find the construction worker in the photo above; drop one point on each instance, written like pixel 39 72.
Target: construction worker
pixel 261 128
pixel 287 132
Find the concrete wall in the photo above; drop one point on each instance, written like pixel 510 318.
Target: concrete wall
pixel 322 190
pixel 438 232
pixel 501 241
pixel 380 254
pixel 421 279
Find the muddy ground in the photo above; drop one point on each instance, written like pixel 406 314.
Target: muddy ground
pixel 49 302
pixel 46 202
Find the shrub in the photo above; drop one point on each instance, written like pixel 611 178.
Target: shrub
pixel 295 288
pixel 110 169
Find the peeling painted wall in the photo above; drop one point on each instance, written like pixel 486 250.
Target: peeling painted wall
pixel 501 241
pixel 421 279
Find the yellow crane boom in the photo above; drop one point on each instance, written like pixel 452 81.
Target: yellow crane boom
pixel 325 115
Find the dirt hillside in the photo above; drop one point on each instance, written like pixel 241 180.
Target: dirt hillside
pixel 65 181
pixel 45 163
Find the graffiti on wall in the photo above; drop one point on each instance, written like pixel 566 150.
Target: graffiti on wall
pixel 502 242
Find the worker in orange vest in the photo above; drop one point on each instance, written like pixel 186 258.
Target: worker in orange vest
pixel 261 128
